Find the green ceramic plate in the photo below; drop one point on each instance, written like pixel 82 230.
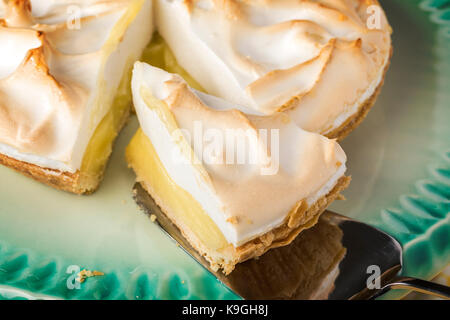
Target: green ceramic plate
pixel 399 159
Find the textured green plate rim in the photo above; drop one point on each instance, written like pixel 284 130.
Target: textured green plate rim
pixel 420 221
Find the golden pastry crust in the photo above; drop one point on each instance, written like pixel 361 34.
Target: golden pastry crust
pixel 301 218
pixel 321 245
pixel 78 182
pixel 60 180
pixel 353 122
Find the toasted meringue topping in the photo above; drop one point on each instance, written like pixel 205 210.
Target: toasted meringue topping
pixel 275 55
pixel 244 198
pixel 60 65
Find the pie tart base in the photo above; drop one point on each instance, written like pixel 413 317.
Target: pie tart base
pixel 227 258
pixel 306 269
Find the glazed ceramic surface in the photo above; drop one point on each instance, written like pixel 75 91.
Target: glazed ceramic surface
pixel 399 159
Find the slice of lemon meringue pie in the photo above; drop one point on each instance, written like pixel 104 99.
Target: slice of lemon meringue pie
pixel 236 185
pixel 65 69
pixel 321 61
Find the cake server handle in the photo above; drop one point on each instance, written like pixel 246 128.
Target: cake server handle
pixel 418 285
pixel 406 283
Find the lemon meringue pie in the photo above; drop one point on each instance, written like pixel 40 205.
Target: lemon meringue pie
pixel 320 61
pixel 65 70
pixel 193 154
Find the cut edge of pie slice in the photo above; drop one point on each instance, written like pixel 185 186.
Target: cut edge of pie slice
pixel 228 211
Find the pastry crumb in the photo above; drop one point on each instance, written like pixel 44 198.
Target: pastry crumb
pixel 341 197
pixel 84 274
pixel 152 218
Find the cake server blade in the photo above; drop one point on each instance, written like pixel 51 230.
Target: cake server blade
pixel 337 259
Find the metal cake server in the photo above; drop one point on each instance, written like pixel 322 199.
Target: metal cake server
pixel 337 259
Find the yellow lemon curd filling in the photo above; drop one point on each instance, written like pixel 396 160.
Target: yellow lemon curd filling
pixel 99 147
pixel 158 54
pixel 180 206
pixel 184 209
pixel 142 157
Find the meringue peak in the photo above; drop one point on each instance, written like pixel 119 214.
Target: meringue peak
pixel 269 56
pixel 18 14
